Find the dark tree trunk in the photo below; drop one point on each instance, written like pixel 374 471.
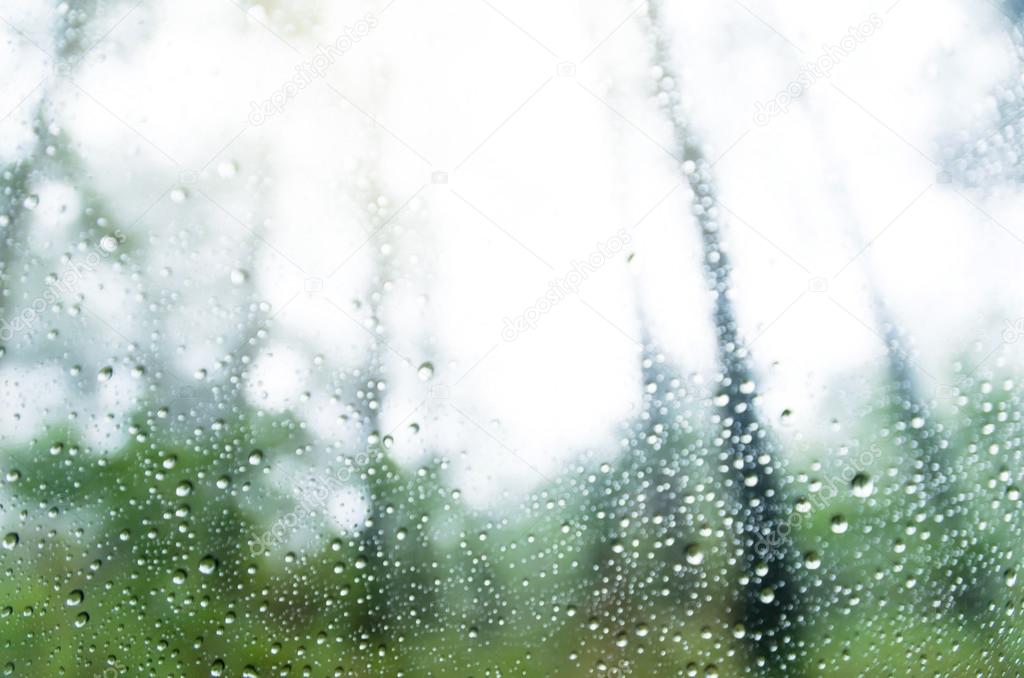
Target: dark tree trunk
pixel 769 603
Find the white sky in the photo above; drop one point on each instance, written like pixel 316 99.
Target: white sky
pixel 541 167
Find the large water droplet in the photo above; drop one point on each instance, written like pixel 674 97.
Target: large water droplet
pixel 862 485
pixel 74 598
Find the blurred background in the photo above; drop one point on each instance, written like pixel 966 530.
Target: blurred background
pixel 500 338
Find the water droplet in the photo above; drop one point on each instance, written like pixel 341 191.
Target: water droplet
pixel 839 524
pixel 109 243
pixel 74 598
pixel 208 565
pixel 425 371
pixel 104 374
pixel 862 485
pixel 694 556
pixel 11 540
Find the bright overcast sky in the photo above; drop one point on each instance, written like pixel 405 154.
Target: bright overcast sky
pixel 505 141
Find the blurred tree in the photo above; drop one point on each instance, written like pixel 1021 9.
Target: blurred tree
pixel 395 544
pixel 992 156
pixel 770 602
